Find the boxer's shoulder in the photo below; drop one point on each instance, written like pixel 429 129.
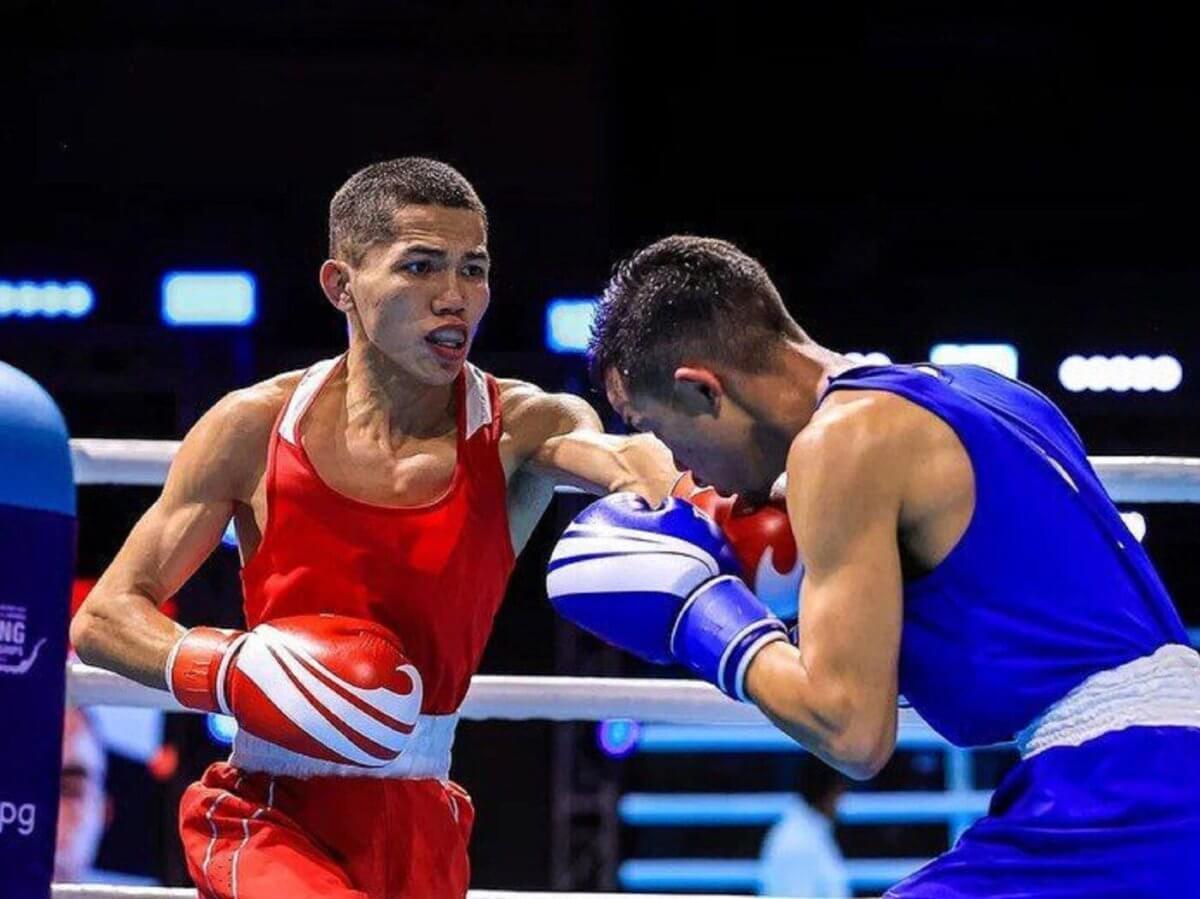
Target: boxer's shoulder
pixel 862 442
pixel 230 440
pixel 852 423
pixel 889 453
pixel 515 393
pixel 250 412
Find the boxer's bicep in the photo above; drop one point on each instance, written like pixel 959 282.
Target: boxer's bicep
pixel 569 447
pixel 534 418
pixel 179 531
pixel 565 439
pixel 119 625
pixel 844 504
pixel 607 463
pixel 844 513
pixel 849 628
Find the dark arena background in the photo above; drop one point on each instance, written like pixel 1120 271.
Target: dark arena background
pixel 926 181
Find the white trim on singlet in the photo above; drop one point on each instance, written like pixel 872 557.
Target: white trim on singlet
pixel 479 402
pixel 1158 690
pixel 302 397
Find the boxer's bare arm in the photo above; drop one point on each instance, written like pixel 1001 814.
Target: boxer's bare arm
pixel 119 626
pixel 836 693
pixel 553 439
pixel 559 438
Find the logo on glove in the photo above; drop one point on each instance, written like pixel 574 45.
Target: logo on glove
pixel 366 726
pixel 779 590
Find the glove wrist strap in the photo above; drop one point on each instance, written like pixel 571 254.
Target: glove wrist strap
pixel 197 666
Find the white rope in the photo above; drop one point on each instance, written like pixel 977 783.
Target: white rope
pixel 512 698
pixel 1128 479
pixel 102 891
pixel 144 462
pixel 1150 479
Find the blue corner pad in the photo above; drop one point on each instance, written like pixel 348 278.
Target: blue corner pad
pixel 35 455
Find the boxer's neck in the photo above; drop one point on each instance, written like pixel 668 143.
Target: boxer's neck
pixel 784 398
pixel 382 397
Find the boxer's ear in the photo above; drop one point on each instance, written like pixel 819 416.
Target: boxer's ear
pixel 335 284
pixel 697 391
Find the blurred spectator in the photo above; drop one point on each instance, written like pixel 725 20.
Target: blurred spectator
pixel 83 806
pixel 800 856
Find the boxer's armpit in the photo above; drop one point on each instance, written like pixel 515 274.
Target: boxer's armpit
pixel 529 495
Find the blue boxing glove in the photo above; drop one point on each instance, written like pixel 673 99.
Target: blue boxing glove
pixel 662 583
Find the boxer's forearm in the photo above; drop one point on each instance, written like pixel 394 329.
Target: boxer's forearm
pixel 120 626
pixel 565 443
pixel 829 719
pixel 126 633
pixel 608 463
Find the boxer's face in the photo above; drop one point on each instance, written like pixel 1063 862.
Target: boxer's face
pixel 713 437
pixel 420 297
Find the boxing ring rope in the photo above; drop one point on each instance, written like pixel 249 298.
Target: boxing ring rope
pixel 85 891
pixel 511 698
pixel 1130 479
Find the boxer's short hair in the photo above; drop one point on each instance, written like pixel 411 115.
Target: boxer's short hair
pixel 685 299
pixel 362 211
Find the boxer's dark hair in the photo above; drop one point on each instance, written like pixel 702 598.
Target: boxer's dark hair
pixel 361 212
pixel 685 299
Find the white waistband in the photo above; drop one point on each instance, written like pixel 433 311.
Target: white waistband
pixel 1158 690
pixel 426 755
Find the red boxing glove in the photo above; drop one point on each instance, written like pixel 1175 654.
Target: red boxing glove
pixel 761 538
pixel 325 686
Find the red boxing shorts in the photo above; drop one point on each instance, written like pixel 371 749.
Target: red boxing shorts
pixel 263 836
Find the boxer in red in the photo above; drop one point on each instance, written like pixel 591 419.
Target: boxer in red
pixel 379 499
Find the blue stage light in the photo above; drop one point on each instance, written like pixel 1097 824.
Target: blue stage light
pixel 569 325
pixel 221 728
pixel 618 737
pixel 45 299
pixel 208 298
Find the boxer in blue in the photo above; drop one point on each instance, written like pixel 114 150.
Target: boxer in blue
pixel 958 549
